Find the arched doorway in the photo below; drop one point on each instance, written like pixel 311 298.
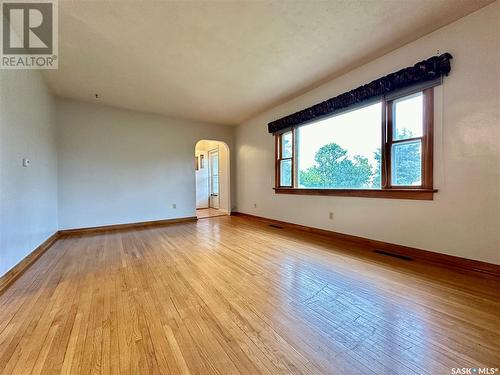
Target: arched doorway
pixel 213 181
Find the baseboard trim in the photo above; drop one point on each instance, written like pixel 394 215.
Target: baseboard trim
pixel 15 272
pixel 368 244
pixel 142 224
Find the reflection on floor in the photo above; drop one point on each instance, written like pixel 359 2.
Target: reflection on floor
pixel 202 213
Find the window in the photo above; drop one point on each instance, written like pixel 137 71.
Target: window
pixel 285 149
pixel 214 171
pixel 341 152
pixel 383 149
pixel 405 140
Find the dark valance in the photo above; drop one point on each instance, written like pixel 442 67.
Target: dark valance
pixel 424 71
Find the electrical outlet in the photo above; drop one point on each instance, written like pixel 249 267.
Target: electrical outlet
pixel 174 205
pixel 330 215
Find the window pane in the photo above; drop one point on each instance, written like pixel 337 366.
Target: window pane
pixel 407 163
pixel 341 152
pixel 214 162
pixel 286 173
pixel 215 184
pixel 407 118
pixel 286 145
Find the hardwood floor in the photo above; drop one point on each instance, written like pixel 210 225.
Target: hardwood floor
pixel 229 295
pixel 202 213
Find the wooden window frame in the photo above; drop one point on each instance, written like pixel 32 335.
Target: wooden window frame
pixel 279 158
pixel 423 192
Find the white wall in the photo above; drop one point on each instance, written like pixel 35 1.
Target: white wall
pixel 28 196
pixel 202 179
pixel 464 218
pixel 118 166
pixel 224 177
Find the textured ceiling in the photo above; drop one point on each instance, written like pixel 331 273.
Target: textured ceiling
pixel 225 61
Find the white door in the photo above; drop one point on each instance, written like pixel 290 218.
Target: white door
pixel 213 161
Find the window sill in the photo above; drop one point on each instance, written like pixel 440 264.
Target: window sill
pixel 416 194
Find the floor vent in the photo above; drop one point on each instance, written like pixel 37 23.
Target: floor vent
pixel 275 226
pixel 404 257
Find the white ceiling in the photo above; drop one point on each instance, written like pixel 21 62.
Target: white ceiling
pixel 225 61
